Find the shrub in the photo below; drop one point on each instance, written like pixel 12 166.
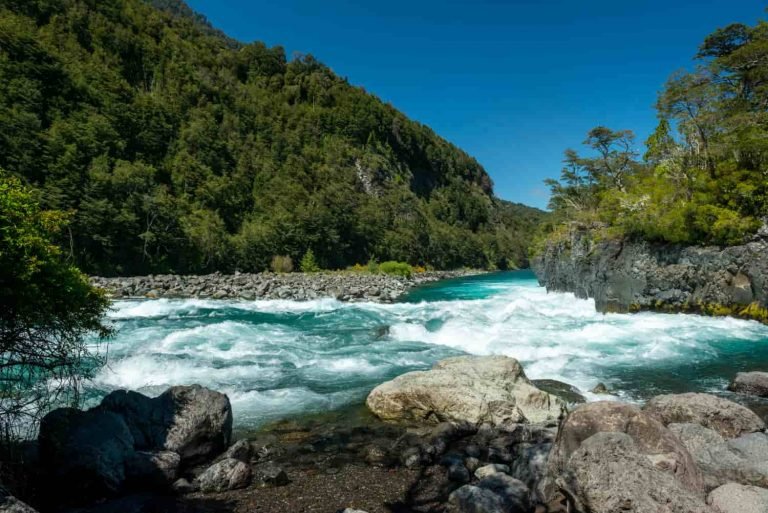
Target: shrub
pixel 281 264
pixel 419 269
pixel 308 263
pixel 396 268
pixel 373 266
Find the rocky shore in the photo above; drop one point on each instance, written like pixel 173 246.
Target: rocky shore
pixel 473 434
pixel 342 285
pixel 627 276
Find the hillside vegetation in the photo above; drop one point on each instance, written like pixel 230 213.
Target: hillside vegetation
pixel 177 149
pixel 704 176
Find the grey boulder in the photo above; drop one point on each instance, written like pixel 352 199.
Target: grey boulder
pixel 498 493
pixel 726 417
pixel 750 383
pixel 10 504
pixel 736 498
pixel 227 474
pixel 475 389
pixel 152 469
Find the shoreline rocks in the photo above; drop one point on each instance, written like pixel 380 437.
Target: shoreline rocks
pixel 629 276
pixel 750 383
pixel 342 285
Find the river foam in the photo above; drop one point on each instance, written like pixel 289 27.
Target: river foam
pixel 278 358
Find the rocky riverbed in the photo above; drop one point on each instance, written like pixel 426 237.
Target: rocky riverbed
pixel 471 435
pixel 344 286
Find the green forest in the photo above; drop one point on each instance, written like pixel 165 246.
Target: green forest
pixel 171 147
pixel 703 178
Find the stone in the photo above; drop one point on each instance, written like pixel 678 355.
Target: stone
pixel 656 443
pixel 750 383
pixel 270 474
pixel 350 510
pixel 152 469
pixel 600 388
pixel 726 417
pixel 458 473
pixel 742 460
pixel 240 450
pixel 474 389
pixel 736 498
pixel 530 465
pixel 489 470
pixel 193 421
pixel 472 464
pixel 473 499
pixel 376 455
pixel 85 452
pixel 513 492
pixel 610 474
pixel 183 486
pixel 227 474
pixel 568 393
pixel 10 504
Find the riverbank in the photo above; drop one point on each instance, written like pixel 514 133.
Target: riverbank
pixel 341 285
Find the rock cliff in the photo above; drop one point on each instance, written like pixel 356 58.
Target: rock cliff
pixel 628 276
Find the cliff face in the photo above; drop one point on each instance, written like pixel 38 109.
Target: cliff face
pixel 630 276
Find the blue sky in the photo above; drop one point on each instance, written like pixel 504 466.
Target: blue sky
pixel 514 83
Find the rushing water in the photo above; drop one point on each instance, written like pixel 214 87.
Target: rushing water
pixel 282 358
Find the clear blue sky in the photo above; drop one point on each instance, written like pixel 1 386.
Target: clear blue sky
pixel 513 83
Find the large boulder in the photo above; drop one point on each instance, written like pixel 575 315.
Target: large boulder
pixel 742 460
pixel 193 421
pixel 736 498
pixel 492 389
pixel 750 383
pixel 657 444
pixel 85 452
pixel 726 417
pixel 608 473
pixel 152 469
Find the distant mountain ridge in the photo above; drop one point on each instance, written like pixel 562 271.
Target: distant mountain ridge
pixel 178 149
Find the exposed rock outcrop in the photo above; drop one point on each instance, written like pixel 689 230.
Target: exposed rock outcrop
pixel 492 389
pixel 623 275
pixel 736 498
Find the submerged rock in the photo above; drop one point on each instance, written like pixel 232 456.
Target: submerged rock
pixel 750 383
pixel 476 389
pixel 726 417
pixel 568 393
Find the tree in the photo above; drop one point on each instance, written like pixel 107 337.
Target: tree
pixel 49 308
pixel 308 263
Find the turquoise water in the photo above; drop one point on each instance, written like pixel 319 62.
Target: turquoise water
pixel 281 358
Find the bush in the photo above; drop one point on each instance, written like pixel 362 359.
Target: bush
pixel 48 309
pixel 373 266
pixel 396 268
pixel 308 263
pixel 281 264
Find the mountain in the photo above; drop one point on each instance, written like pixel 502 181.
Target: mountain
pixel 177 149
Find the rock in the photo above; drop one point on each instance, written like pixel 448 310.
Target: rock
pixel 736 498
pixel 751 383
pixel 600 388
pixel 475 389
pixel 726 417
pixel 742 460
pixel 270 474
pixel 85 452
pixel 183 486
pixel 514 494
pixel 152 469
pixel 530 465
pixel 568 393
pixel 350 510
pixel 610 474
pixel 240 450
pixel 473 499
pixel 376 455
pixel 489 470
pixel 227 474
pixel 10 504
pixel 657 444
pixel 193 421
pixel 472 464
pixel 458 473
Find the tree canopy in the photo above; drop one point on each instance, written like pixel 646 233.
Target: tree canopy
pixel 704 176
pixel 178 149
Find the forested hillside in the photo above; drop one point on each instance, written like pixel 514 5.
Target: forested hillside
pixel 175 148
pixel 704 176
